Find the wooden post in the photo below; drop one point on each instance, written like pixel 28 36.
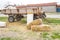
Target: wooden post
pixel 29 16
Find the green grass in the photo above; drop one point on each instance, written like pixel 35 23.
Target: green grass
pixel 52 20
pixel 23 20
pixel 3 19
pixel 49 20
pixel 7 38
pixel 10 38
pixel 51 36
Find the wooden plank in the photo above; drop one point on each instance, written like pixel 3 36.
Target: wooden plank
pixel 14 11
pixel 22 10
pixel 29 11
pixel 8 11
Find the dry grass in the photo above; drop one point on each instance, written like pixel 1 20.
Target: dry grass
pixel 19 31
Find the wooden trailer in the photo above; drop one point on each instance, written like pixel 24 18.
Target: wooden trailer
pixel 17 14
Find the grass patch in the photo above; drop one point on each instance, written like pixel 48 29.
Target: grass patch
pixel 6 38
pixel 52 20
pixel 3 19
pixel 24 20
pixel 55 35
pixel 51 36
pixel 10 38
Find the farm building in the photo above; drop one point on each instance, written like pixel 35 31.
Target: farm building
pixel 58 8
pixel 47 7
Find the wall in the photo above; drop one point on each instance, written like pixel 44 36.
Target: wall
pixel 49 8
pixel 58 9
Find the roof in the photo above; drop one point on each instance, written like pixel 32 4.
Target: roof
pixel 58 5
pixel 42 4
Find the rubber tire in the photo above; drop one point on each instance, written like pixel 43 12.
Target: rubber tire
pixel 11 19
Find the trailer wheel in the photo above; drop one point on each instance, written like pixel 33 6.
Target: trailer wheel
pixel 11 19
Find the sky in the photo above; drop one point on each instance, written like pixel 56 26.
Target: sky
pixel 24 2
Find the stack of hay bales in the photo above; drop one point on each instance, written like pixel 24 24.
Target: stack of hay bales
pixel 37 25
pixel 35 22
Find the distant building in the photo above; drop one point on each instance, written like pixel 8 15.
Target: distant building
pixel 47 7
pixel 58 8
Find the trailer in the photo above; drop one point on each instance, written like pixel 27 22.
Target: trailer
pixel 17 13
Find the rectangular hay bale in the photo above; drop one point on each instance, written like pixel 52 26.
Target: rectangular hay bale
pixel 40 28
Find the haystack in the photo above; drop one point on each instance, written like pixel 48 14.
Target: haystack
pixel 35 22
pixel 41 27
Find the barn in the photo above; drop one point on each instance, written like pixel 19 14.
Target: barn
pixel 47 7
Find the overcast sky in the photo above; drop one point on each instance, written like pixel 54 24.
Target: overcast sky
pixel 24 2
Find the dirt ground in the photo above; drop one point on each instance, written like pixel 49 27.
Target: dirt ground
pixel 17 29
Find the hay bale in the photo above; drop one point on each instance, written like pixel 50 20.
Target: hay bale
pixel 35 27
pixel 40 28
pixel 46 28
pixel 34 22
pixel 29 26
